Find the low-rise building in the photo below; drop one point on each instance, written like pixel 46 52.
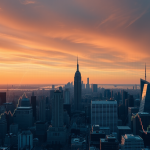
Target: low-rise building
pixel 109 143
pixel 131 142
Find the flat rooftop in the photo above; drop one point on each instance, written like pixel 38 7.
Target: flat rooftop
pixel 103 102
pixel 24 108
pixel 132 137
pixel 98 132
pixel 123 127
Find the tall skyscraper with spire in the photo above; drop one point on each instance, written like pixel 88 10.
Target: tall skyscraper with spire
pixel 77 88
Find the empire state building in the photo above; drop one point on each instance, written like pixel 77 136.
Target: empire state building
pixel 77 88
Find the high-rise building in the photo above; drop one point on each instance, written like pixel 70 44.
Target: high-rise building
pixel 145 101
pixel 2 98
pixel 77 88
pixel 94 88
pixel 9 118
pixel 67 96
pixel 25 140
pixel 107 94
pixel 56 133
pixel 57 111
pixel 87 85
pixel 124 97
pixel 122 130
pixel 142 82
pixel 3 124
pixel 23 117
pixel 131 142
pixel 141 121
pixel 109 143
pixel 130 111
pixel 104 113
pixel 42 108
pixel 41 130
pixel 33 104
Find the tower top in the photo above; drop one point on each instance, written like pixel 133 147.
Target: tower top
pixel 145 71
pixel 77 64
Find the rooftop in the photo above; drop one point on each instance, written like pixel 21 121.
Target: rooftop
pixel 25 99
pixel 103 102
pixel 132 137
pixel 133 108
pixel 19 108
pixel 110 136
pixel 98 132
pixel 77 140
pixel 123 127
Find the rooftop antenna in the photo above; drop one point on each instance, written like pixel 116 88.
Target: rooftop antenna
pixel 77 64
pixel 145 71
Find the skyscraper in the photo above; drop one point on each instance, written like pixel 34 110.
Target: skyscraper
pixel 87 85
pixel 104 114
pixel 3 124
pixel 42 108
pixel 67 96
pixel 77 88
pixel 94 88
pixel 2 98
pixel 33 103
pixel 145 101
pixel 124 96
pixel 57 109
pixel 25 140
pixel 56 133
pixel 142 82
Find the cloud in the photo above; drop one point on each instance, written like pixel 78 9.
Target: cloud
pixel 105 35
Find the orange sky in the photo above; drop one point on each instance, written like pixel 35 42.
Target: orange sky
pixel 40 40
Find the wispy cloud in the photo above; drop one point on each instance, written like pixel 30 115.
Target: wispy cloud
pixel 107 36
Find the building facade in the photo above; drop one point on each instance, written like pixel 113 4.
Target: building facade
pixel 56 133
pixel 25 140
pixel 23 117
pixel 131 142
pixel 104 114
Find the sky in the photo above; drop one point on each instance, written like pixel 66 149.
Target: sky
pixel 41 39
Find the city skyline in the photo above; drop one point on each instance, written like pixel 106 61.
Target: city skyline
pixel 41 39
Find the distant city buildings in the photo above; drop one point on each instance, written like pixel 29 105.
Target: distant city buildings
pixel 67 96
pixel 33 104
pixel 94 88
pixel 87 85
pixel 3 124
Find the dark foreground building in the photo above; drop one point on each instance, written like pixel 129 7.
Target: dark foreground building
pixel 2 98
pixel 109 143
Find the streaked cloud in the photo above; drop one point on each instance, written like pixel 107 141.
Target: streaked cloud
pixel 108 36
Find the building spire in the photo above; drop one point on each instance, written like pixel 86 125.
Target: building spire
pixel 145 71
pixel 77 64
